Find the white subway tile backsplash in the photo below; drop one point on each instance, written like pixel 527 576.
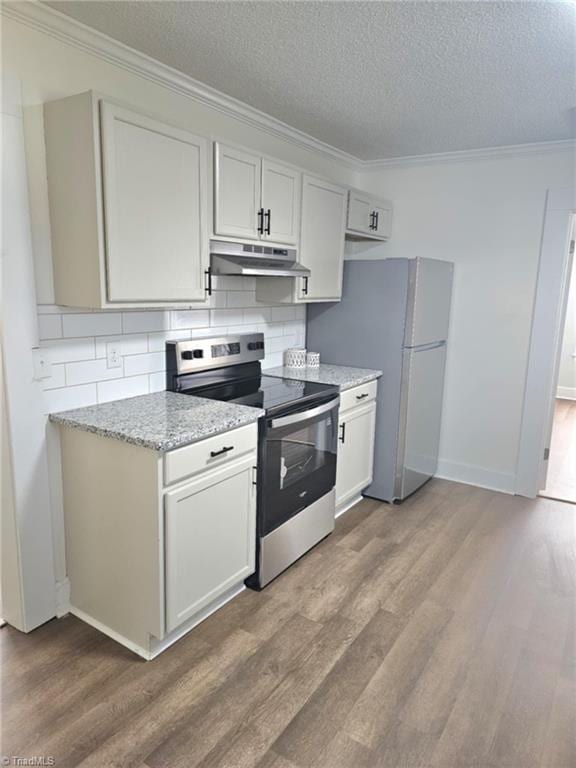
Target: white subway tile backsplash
pixel 69 397
pixel 157 341
pixel 149 320
pixel 119 388
pixel 226 317
pixel 130 344
pixel 148 363
pixel 284 313
pixel 76 341
pixel 90 370
pixel 189 318
pixel 271 330
pixel 49 326
pixel 57 379
pixel 157 381
pixel 241 299
pixel 258 315
pixel 233 283
pixel 92 324
pixel 69 350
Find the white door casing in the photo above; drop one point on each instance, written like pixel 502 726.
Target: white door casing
pixel 547 326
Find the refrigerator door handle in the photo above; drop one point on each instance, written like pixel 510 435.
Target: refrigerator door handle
pixel 426 347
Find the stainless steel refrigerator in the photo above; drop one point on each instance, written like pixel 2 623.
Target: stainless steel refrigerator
pixel 394 316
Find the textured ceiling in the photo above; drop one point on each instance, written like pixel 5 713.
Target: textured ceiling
pixel 376 79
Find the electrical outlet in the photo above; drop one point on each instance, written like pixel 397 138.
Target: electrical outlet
pixel 42 365
pixel 113 355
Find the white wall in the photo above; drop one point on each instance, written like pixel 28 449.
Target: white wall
pixel 75 341
pixel 486 216
pixel 567 373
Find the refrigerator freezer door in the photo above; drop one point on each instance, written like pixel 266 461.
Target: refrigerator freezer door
pixel 422 393
pixel 428 313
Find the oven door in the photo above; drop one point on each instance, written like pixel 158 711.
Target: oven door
pixel 298 462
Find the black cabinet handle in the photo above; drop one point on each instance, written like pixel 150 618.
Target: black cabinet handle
pixel 305 287
pixel 373 220
pixel 342 432
pixel 376 215
pixel 208 281
pixel 361 397
pixel 261 221
pixel 268 217
pixel 221 451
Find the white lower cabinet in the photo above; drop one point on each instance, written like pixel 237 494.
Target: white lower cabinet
pixel 210 526
pixel 155 542
pixel 355 452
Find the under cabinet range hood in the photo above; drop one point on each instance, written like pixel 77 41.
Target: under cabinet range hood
pixel 254 260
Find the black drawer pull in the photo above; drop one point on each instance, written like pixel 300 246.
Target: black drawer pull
pixel 226 448
pixel 361 397
pixel 342 437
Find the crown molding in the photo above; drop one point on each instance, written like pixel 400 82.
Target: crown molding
pixel 55 24
pixel 487 153
pixel 61 27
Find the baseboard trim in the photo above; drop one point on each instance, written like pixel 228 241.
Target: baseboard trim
pixel 348 505
pixel 470 474
pixel 566 393
pixel 62 597
pixel 157 646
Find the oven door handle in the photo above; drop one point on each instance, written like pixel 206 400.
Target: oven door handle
pixel 294 418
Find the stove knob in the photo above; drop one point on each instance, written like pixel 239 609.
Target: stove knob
pixel 191 354
pixel 252 345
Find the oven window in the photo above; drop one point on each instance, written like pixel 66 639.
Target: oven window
pixel 302 453
pixel 299 466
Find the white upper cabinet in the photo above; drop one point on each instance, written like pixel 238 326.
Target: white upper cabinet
pixel 323 221
pixel 368 218
pixel 128 206
pixel 322 240
pixel 154 196
pixel 255 198
pixel 237 193
pixel 281 202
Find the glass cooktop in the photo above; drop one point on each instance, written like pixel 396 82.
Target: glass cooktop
pixel 265 392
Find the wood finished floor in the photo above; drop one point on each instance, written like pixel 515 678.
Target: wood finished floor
pixel 561 480
pixel 439 633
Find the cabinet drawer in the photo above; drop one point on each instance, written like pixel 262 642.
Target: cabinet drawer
pixel 358 395
pixel 209 453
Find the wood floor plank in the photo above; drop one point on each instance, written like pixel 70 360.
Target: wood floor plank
pixel 228 707
pixel 252 740
pixel 437 633
pixel 386 693
pixel 318 722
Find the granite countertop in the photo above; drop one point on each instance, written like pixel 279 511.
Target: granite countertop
pixel 342 376
pixel 161 421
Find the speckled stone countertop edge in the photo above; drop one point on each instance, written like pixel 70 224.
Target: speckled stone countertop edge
pixel 343 376
pixel 184 419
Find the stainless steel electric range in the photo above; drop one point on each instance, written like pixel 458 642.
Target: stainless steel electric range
pixel 297 441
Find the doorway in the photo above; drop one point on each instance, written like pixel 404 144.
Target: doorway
pixel 561 476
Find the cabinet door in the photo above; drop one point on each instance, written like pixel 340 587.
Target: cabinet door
pixel 281 202
pixel 155 192
pixel 383 221
pixel 322 240
pixel 210 527
pixel 359 210
pixel 355 452
pixel 236 193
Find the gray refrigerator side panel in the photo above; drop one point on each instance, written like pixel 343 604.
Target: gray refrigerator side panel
pixel 430 291
pixel 366 329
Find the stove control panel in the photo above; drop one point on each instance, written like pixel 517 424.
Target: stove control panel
pixel 204 354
